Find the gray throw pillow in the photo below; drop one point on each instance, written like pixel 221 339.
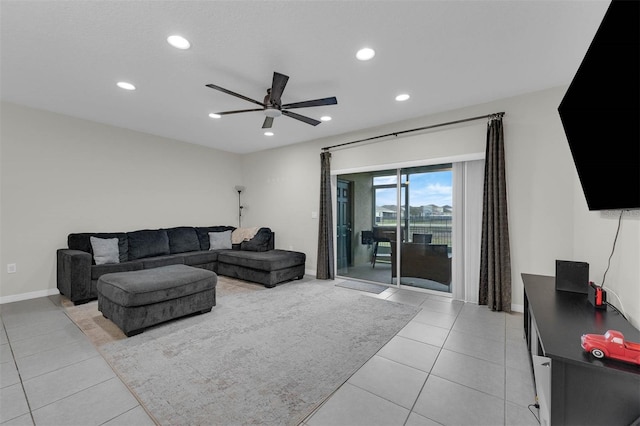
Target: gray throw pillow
pixel 105 250
pixel 220 240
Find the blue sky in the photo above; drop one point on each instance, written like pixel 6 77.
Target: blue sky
pixel 424 188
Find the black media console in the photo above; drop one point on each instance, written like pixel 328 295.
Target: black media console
pixel 573 387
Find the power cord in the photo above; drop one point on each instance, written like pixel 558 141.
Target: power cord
pixel 613 306
pixel 620 311
pixel 613 249
pixel 536 405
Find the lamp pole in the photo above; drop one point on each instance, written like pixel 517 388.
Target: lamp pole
pixel 239 188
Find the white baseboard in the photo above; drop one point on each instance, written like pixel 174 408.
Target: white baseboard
pixel 311 272
pixel 514 307
pixel 27 296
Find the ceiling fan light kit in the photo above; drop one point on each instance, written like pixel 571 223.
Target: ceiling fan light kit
pixel 272 112
pixel 272 104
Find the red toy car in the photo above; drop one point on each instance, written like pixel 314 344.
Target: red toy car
pixel 611 345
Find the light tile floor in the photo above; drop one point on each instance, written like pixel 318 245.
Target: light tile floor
pixel 50 374
pixel 453 364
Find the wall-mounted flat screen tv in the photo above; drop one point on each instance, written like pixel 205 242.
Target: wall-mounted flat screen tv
pixel 600 112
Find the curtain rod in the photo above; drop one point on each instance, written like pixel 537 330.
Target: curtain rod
pixel 500 114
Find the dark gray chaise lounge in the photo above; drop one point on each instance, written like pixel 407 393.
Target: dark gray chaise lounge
pixel 264 267
pixel 254 260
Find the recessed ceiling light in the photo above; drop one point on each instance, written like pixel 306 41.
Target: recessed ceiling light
pixel 126 86
pixel 268 133
pixel 325 118
pixel 214 115
pixel 402 97
pixel 365 54
pixel 179 42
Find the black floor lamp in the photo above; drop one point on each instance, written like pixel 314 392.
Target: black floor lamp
pixel 239 188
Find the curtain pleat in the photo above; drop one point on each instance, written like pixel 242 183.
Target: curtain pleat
pixel 325 268
pixel 495 260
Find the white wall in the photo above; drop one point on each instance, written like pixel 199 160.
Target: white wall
pixel 282 191
pixel 61 175
pixel 541 177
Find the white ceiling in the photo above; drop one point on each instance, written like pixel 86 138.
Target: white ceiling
pixel 66 57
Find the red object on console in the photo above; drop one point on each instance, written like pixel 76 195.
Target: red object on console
pixel 597 296
pixel 611 345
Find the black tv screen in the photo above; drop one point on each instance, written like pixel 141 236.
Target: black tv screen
pixel 600 112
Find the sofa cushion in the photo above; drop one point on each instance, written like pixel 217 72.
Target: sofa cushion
pixel 183 239
pixel 220 240
pixel 98 270
pixel 158 261
pixel 203 234
pixel 271 260
pixel 200 257
pixel 260 242
pixel 82 242
pixel 148 243
pixel 105 250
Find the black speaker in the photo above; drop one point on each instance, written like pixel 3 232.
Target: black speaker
pixel 572 276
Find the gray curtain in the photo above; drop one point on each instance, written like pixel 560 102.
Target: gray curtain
pixel 325 269
pixel 495 259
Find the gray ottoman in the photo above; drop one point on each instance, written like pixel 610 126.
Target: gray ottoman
pixel 139 299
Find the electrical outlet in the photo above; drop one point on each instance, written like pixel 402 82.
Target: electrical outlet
pixel 11 268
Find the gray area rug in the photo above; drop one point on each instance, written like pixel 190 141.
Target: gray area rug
pixel 368 287
pixel 265 357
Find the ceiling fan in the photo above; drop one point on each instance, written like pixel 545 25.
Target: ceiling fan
pixel 272 105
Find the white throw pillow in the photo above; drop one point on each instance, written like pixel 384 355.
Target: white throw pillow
pixel 105 250
pixel 220 240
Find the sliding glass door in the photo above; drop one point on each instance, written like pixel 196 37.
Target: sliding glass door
pixel 400 228
pixel 425 252
pixel 369 207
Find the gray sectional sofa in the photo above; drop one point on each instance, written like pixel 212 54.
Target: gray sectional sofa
pixel 253 260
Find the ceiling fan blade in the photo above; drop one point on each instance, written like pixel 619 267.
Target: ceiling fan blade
pixel 277 87
pixel 237 95
pixel 239 110
pixel 301 118
pixel 268 122
pixel 315 102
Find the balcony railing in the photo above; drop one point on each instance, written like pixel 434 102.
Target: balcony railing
pixel 438 226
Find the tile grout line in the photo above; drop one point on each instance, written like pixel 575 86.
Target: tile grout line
pixel 24 392
pixel 113 418
pixel 433 365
